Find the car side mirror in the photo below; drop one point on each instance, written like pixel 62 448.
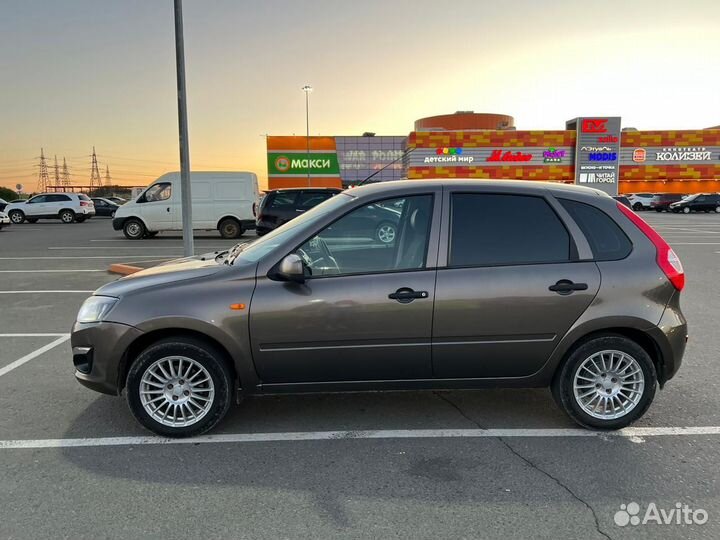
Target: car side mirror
pixel 291 268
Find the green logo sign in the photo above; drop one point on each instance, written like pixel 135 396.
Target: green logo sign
pixel 325 163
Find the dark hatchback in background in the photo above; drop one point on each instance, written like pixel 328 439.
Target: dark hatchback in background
pixel 662 201
pixel 700 202
pixel 104 207
pixel 279 206
pixel 484 284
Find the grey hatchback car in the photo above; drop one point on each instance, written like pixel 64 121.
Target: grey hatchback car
pixel 485 284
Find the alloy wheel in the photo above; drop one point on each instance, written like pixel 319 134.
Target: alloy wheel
pixel 176 391
pixel 386 233
pixel 608 384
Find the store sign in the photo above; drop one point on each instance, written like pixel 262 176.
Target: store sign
pixel 551 155
pixel 293 163
pixel 639 155
pixel 683 154
pixel 499 155
pixel 602 156
pixel 596 152
pixel 594 125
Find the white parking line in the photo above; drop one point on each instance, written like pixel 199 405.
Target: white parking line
pixel 45 292
pixel 48 271
pixel 17 363
pixel 76 257
pixel 627 433
pixel 33 335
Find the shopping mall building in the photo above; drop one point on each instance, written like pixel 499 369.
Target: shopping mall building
pixel 594 151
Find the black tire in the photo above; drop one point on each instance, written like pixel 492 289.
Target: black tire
pixel 717 209
pixel 686 210
pixel 230 228
pixel 386 232
pixel 80 219
pixel 134 229
pixel 637 207
pixel 203 354
pixel 562 386
pixel 658 209
pixel 67 216
pixel 16 216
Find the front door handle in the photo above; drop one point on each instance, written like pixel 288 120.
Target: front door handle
pixel 405 295
pixel 565 286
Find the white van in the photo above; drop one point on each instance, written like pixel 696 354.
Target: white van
pixel 225 201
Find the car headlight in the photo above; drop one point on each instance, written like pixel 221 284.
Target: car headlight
pixel 95 308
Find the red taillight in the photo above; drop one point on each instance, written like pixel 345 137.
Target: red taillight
pixel 84 203
pixel 666 258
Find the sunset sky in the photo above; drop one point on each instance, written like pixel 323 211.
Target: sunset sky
pixel 79 73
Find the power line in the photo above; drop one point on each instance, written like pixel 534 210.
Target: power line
pixel 43 173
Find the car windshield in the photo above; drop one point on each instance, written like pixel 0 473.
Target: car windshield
pixel 692 197
pixel 255 251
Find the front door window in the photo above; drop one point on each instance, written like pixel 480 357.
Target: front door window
pixel 385 236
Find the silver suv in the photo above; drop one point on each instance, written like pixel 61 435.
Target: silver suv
pixel 485 284
pixel 67 207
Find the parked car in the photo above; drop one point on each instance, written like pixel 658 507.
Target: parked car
pixel 662 201
pixel 624 200
pixel 279 206
pixel 67 207
pixel 116 200
pixel 3 204
pixel 104 207
pixel 4 220
pixel 700 202
pixel 486 283
pixel 640 201
pixel 17 201
pixel 221 201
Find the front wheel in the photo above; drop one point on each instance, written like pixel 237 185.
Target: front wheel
pixel 606 383
pixel 686 210
pixel 230 228
pixel 179 387
pixel 717 209
pixel 637 207
pixel 133 229
pixel 16 216
pixel 386 233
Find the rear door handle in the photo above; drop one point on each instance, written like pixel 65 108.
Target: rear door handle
pixel 565 286
pixel 405 295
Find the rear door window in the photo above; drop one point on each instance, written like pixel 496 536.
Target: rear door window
pixel 283 200
pixel 607 240
pixel 493 229
pixel 310 199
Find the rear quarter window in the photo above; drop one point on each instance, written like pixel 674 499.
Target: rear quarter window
pixel 83 197
pixel 607 240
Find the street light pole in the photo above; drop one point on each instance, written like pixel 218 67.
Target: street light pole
pixel 307 89
pixel 185 195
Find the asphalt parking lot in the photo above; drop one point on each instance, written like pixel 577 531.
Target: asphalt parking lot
pixel 74 464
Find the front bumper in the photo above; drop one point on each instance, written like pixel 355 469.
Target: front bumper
pixel 118 223
pixel 99 354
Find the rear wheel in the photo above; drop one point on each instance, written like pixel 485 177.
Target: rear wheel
pixel 686 210
pixel 606 383
pixel 133 229
pixel 717 209
pixel 67 216
pixel 179 387
pixel 637 206
pixel 386 233
pixel 230 228
pixel 16 216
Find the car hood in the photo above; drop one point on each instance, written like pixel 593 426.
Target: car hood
pixel 201 266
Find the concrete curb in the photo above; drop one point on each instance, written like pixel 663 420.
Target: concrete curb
pixel 123 269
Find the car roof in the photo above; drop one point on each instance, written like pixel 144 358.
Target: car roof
pixel 309 188
pixel 520 186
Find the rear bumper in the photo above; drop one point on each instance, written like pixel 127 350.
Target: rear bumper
pixel 671 335
pixel 99 354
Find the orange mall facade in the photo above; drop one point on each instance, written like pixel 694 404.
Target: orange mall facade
pixel 487 146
